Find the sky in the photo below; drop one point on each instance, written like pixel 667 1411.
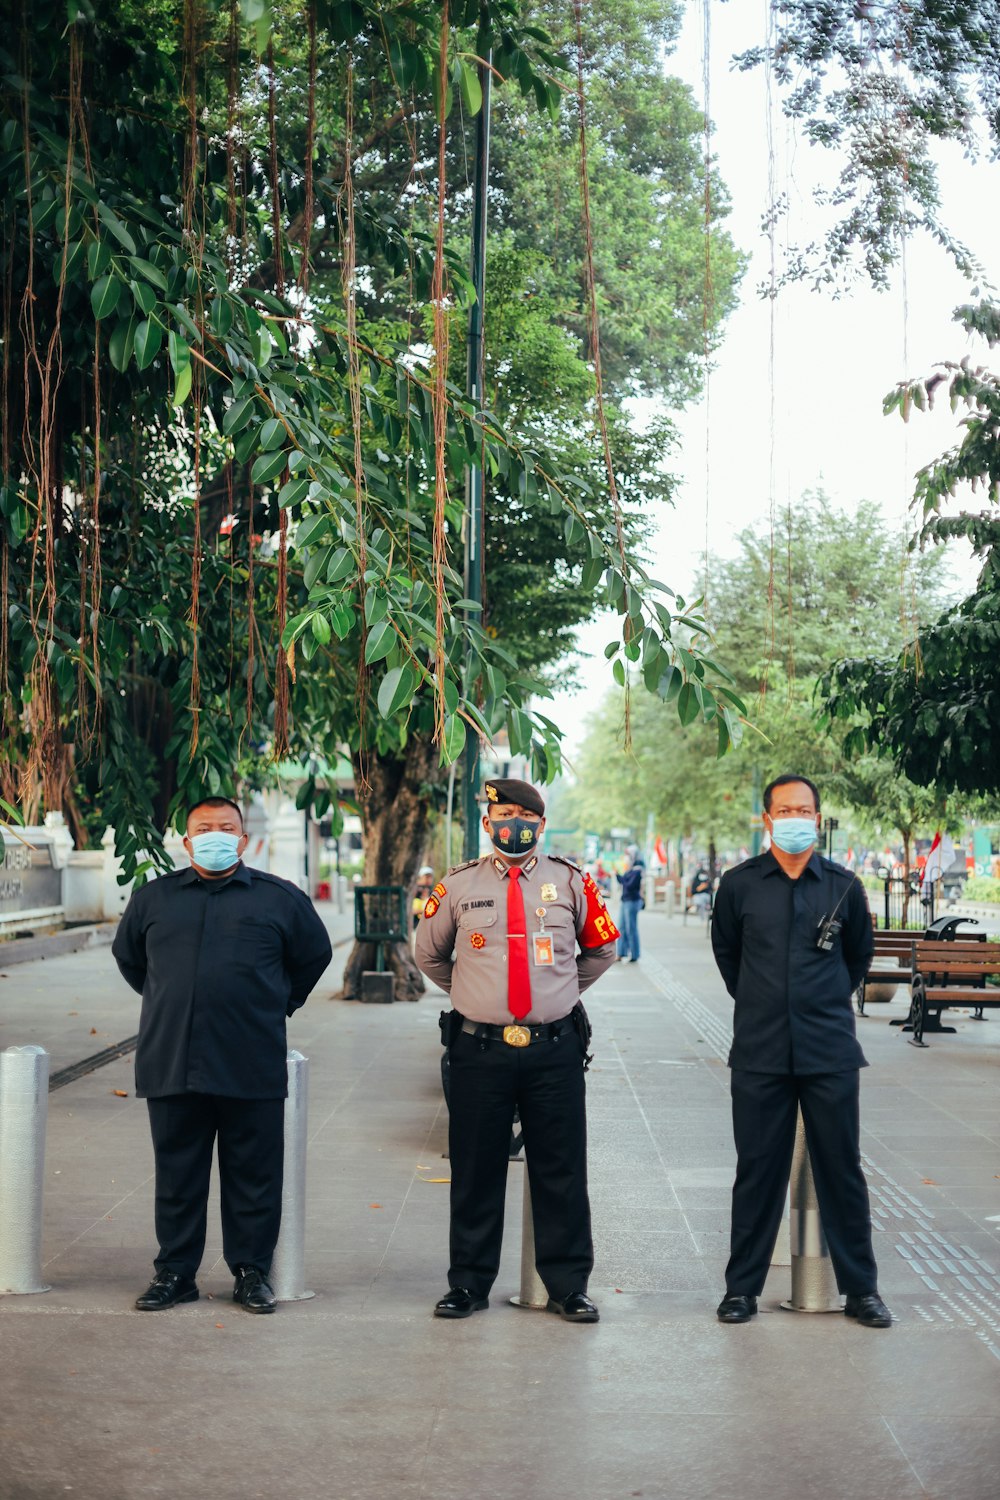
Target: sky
pixel 834 359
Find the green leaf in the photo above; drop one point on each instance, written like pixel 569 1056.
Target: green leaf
pixel 121 343
pixel 340 566
pixel 180 353
pixel 321 629
pixel 237 415
pixel 148 270
pixel 310 530
pixel 396 690
pixel 182 385
pixel 271 434
pixel 381 639
pixel 148 338
pixel 267 467
pixel 687 704
pixel 454 739
pixel 144 296
pixel 104 296
pixel 111 221
pixel 292 493
pixel 98 258
pixel 472 92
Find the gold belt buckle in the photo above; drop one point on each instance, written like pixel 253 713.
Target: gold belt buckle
pixel 516 1036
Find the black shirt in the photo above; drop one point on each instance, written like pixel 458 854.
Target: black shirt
pixel 219 965
pixel 793 1001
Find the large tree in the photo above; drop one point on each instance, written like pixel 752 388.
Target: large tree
pixel 783 607
pixel 933 710
pixel 881 84
pixel 231 483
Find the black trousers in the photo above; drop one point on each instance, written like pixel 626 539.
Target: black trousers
pixel 765 1107
pixel 250 1133
pixel 545 1083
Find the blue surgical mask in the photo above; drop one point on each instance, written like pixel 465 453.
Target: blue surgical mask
pixel 794 835
pixel 215 851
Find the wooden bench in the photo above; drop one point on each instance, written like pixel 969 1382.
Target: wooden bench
pixel 949 974
pixel 894 950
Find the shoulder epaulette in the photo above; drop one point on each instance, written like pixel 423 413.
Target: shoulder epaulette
pixel 466 866
pixel 562 860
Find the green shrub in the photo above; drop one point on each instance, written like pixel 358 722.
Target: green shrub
pixel 982 888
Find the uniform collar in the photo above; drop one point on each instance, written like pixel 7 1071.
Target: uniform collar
pixel 769 866
pixel 501 866
pixel 241 874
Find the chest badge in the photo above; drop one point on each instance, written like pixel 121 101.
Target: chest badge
pixel 549 892
pixel 477 940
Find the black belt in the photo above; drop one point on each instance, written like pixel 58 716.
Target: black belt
pixel 544 1032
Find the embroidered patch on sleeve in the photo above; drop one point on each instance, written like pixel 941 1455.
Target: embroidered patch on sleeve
pixel 432 905
pixel 598 928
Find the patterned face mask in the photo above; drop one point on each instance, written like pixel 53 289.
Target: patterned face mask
pixel 514 835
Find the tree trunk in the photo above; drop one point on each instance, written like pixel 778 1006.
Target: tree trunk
pixel 906 875
pixel 395 815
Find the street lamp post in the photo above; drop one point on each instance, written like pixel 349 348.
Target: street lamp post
pixel 474 380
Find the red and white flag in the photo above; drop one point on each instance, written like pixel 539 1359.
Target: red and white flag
pixel 940 857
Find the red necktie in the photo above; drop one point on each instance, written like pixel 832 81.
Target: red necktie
pixel 518 977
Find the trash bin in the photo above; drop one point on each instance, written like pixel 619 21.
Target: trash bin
pixel 379 918
pixel 323 890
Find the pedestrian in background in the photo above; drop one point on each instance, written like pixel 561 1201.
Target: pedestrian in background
pixel 792 936
pixel 221 955
pixel 515 938
pixel 631 904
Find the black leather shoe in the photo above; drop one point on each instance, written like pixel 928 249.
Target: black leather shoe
pixel 576 1308
pixel 736 1309
pixel 166 1289
pixel 870 1311
pixel 253 1290
pixel 460 1303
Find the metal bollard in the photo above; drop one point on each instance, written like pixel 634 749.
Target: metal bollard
pixel 814 1287
pixel 288 1266
pixel 533 1293
pixel 24 1105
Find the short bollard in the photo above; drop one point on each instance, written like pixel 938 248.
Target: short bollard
pixel 288 1273
pixel 24 1105
pixel 814 1287
pixel 532 1293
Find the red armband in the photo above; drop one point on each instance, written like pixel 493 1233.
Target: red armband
pixel 598 929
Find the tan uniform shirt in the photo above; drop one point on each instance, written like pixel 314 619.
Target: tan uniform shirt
pixel 462 937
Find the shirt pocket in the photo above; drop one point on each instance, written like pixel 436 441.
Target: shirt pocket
pixel 250 942
pixel 561 924
pixel 476 921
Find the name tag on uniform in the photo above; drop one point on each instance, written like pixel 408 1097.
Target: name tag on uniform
pixel 542 945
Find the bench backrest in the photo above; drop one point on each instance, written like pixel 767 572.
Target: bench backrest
pixel 960 957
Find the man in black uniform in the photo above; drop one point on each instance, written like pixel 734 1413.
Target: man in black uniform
pixel 514 939
pixel 221 954
pixel 792 936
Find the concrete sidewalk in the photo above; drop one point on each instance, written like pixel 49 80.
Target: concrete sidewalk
pixel 360 1394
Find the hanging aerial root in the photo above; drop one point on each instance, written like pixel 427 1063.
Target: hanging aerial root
pixel 440 402
pixel 593 322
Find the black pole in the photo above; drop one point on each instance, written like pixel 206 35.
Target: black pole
pixel 474 529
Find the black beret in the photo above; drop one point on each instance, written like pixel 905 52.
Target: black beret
pixel 506 789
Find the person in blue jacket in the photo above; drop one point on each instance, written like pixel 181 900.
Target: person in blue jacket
pixel 632 904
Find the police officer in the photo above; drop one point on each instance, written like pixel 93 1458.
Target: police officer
pixel 514 938
pixel 221 954
pixel 792 936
